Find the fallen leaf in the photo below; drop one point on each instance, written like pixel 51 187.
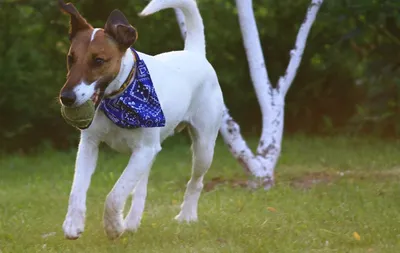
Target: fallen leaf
pixel 356 236
pixel 271 209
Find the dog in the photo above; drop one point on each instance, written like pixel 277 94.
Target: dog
pixel 99 61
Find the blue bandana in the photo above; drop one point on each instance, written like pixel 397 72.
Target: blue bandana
pixel 138 105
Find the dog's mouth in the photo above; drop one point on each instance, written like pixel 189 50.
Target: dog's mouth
pixel 100 89
pixel 96 97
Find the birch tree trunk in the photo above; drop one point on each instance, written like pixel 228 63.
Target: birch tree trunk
pixel 271 99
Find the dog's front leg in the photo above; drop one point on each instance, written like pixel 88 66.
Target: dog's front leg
pixel 132 220
pixel 84 167
pixel 138 167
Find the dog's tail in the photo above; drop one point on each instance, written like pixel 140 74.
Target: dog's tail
pixel 194 40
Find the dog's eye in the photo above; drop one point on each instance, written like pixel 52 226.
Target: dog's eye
pixel 98 61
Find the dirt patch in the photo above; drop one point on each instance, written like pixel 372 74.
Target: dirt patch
pixel 311 179
pixel 232 182
pixel 393 173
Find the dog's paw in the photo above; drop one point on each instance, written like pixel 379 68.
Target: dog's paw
pixel 132 224
pixel 114 228
pixel 74 225
pixel 186 217
pixel 114 225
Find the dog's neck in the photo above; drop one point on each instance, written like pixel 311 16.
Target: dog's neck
pixel 127 63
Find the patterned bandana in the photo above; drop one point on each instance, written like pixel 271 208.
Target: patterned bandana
pixel 138 105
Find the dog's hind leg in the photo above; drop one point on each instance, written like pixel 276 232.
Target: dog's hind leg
pixel 203 142
pixel 132 220
pixel 139 165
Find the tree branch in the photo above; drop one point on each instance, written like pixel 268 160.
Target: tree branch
pixel 296 54
pixel 255 56
pixel 271 100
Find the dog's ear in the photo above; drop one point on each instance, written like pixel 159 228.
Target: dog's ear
pixel 77 22
pixel 118 28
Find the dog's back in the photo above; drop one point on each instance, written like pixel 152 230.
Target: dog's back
pixel 185 81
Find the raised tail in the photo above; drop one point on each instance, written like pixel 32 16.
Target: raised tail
pixel 194 40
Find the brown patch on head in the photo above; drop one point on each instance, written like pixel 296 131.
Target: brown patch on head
pixel 90 61
pixel 96 57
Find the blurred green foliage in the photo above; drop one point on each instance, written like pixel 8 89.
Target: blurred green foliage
pixel 348 81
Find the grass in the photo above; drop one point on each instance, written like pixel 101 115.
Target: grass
pixel 327 189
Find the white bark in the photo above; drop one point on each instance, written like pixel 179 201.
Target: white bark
pixel 297 53
pixel 271 99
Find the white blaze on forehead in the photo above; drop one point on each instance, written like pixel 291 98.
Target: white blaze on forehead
pixel 94 34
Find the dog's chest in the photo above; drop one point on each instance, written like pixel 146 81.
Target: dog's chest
pixel 119 139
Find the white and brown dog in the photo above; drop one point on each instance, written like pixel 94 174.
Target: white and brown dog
pixel 99 62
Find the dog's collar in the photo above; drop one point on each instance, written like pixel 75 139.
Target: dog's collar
pixel 128 79
pixel 138 104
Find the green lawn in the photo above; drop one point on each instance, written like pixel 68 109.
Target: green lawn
pixel 326 190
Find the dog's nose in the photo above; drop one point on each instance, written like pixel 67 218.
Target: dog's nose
pixel 68 98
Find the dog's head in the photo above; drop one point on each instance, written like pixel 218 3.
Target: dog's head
pixel 95 55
